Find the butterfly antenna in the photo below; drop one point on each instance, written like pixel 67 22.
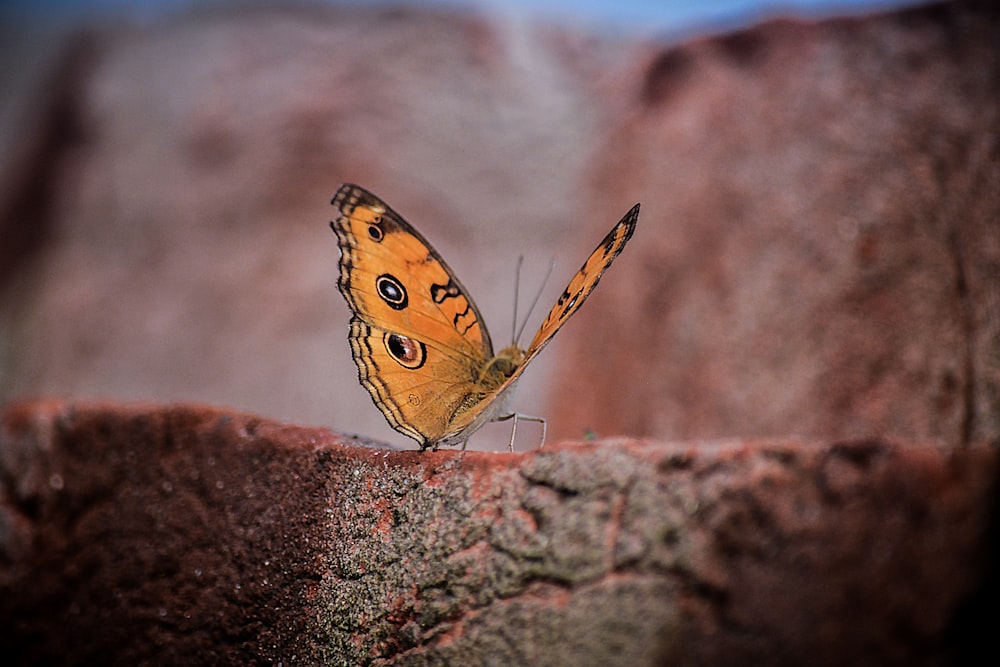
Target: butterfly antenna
pixel 517 291
pixel 534 302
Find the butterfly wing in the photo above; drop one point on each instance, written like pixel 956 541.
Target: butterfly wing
pixel 581 285
pixel 409 382
pixel 417 337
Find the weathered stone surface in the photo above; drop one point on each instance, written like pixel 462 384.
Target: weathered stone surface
pixel 188 535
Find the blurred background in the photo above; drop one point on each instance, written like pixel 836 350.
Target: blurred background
pixel 166 170
pixel 636 16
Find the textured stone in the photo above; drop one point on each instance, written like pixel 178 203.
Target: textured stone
pixel 188 535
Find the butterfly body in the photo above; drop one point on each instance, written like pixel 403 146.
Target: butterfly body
pixel 422 350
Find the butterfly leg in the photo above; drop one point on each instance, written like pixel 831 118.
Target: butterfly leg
pixel 513 431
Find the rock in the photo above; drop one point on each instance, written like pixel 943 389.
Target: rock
pixel 819 246
pixel 191 535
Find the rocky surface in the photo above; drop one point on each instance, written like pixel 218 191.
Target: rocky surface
pixel 187 535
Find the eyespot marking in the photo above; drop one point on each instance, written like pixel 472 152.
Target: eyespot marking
pixel 391 291
pixel 407 352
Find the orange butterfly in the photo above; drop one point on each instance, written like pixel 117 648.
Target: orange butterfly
pixel 420 343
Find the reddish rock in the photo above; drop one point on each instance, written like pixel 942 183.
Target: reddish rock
pixel 187 535
pixel 819 247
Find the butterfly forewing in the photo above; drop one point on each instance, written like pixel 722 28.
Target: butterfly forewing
pixel 584 282
pixel 391 277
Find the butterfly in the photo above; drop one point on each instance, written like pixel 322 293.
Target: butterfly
pixel 418 339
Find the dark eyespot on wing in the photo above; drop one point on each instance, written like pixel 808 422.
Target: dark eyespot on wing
pixel 407 352
pixel 391 290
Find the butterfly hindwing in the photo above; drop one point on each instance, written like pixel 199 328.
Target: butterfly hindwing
pixel 415 385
